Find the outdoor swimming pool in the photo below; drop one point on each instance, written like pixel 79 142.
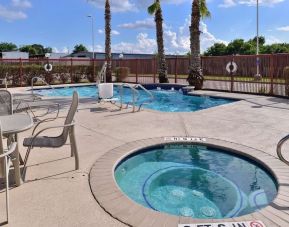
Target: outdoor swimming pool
pixel 164 100
pixel 195 181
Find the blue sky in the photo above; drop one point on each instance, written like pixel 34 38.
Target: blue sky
pixel 63 23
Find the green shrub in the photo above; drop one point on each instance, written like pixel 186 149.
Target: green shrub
pixel 61 73
pixel 121 73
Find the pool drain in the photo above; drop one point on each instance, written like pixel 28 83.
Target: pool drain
pixel 178 193
pixel 186 212
pixel 198 194
pixel 208 211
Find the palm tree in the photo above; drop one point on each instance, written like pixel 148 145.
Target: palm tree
pixel 155 9
pixel 108 41
pixel 199 10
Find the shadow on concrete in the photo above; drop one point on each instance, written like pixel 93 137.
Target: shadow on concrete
pixel 3 223
pixel 273 102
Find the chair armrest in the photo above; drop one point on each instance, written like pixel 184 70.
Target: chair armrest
pixel 48 128
pixel 11 149
pixel 47 119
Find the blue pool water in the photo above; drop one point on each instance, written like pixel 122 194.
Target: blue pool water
pixel 195 181
pixel 164 100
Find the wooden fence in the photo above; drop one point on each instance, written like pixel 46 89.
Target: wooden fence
pixel 19 72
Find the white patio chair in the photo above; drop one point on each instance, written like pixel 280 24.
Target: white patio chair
pixel 6 103
pixel 40 141
pixel 5 161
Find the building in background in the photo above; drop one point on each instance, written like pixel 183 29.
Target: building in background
pixel 115 56
pixel 51 56
pixel 14 55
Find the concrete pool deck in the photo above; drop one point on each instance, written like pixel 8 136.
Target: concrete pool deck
pixel 56 195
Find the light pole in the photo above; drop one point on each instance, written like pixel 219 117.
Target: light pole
pixel 92 34
pixel 120 57
pixel 258 75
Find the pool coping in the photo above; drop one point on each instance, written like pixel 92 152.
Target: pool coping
pixel 110 197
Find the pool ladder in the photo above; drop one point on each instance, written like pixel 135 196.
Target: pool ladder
pixel 135 95
pixel 36 79
pixel 279 149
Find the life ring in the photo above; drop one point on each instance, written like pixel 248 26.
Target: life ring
pixel 231 67
pixel 48 67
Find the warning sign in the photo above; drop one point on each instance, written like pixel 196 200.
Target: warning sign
pixel 226 224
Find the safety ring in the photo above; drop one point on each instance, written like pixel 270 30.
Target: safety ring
pixel 48 67
pixel 231 67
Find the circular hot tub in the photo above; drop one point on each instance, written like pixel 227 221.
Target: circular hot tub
pixel 168 181
pixel 195 181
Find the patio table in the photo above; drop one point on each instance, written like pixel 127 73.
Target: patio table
pixel 12 125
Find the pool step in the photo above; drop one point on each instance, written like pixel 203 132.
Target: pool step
pixel 188 89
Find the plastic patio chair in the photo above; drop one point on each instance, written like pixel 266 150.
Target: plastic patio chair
pixel 37 140
pixel 6 103
pixel 5 161
pixel 30 106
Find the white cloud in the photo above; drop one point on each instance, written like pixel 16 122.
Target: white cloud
pixel 23 4
pixel 14 11
pixel 272 39
pixel 228 3
pixel 131 5
pixel 139 24
pixel 62 50
pixel 113 32
pixel 144 44
pixel 116 5
pixel 11 14
pixel 283 29
pixel 176 42
pixel 231 3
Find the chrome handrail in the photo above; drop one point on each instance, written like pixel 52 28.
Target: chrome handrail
pixel 101 74
pixel 4 81
pixel 135 95
pixel 279 149
pixel 47 84
pixel 148 92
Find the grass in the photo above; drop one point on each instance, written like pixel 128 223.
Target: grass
pixel 222 78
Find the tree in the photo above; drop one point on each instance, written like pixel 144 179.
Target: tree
pixel 262 40
pixel 107 16
pixel 218 49
pixel 79 48
pixel 235 46
pixel 242 47
pixel 47 50
pixel 199 10
pixel 29 49
pixel 4 47
pixel 35 49
pixel 155 9
pixel 39 48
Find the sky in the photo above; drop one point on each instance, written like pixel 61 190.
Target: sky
pixel 61 24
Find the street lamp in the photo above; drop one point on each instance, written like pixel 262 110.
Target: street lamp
pixel 92 34
pixel 258 75
pixel 120 56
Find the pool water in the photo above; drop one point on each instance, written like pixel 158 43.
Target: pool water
pixel 195 181
pixel 164 100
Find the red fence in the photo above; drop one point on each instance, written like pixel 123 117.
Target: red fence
pixel 20 72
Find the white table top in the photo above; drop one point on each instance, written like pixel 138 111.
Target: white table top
pixel 15 123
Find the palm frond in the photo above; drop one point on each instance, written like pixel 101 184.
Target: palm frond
pixel 153 8
pixel 204 9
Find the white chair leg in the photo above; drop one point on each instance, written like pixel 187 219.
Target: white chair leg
pixel 7 187
pixel 74 151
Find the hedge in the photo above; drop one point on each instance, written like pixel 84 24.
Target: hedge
pixel 60 73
